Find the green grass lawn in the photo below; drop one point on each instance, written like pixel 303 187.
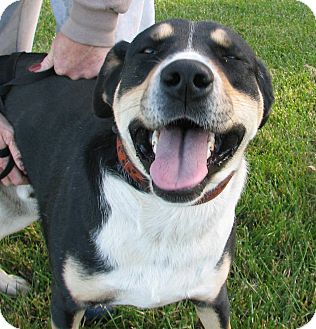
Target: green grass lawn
pixel 272 283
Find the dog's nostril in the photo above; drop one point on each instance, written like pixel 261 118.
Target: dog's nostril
pixel 202 80
pixel 172 79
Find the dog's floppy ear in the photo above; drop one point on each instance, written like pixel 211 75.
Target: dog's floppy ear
pixel 265 85
pixel 108 79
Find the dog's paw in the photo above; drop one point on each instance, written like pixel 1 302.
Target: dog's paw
pixel 12 284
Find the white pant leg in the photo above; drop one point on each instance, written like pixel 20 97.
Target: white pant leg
pixel 148 17
pixel 61 10
pixel 140 15
pixel 17 26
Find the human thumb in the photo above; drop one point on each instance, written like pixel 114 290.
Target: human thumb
pixel 46 64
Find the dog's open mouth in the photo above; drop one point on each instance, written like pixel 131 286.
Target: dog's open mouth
pixel 181 156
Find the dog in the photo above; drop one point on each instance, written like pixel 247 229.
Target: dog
pixel 136 176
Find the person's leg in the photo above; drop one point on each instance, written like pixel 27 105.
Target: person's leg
pixel 61 10
pixel 148 17
pixel 17 26
pixel 140 15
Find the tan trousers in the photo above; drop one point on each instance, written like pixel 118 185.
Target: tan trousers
pixel 17 30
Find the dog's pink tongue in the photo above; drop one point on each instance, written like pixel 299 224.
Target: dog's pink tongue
pixel 181 159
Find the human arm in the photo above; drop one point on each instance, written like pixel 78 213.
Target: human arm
pixel 79 50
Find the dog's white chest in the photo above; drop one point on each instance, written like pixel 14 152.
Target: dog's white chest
pixel 161 253
pixel 155 283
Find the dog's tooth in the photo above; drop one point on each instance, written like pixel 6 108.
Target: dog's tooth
pixel 210 144
pixel 156 135
pixel 154 139
pixel 211 141
pixel 155 148
pixel 150 139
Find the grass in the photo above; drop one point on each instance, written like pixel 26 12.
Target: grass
pixel 272 283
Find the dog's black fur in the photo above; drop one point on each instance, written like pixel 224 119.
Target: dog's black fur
pixel 65 146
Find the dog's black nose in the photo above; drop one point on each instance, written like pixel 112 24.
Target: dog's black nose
pixel 187 79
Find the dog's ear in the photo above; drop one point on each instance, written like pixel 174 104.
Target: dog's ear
pixel 265 85
pixel 108 79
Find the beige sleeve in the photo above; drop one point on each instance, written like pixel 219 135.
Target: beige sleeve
pixel 93 22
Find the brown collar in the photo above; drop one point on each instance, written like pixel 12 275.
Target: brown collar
pixel 143 182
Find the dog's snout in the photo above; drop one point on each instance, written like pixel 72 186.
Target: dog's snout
pixel 187 79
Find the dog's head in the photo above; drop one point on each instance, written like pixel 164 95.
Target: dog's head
pixel 187 98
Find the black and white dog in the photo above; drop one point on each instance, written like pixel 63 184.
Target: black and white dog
pixel 138 204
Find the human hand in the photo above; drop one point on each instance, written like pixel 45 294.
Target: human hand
pixel 17 175
pixel 72 59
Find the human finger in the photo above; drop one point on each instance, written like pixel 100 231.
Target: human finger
pixel 16 154
pixel 46 64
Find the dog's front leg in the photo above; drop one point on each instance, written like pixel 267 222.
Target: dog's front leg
pixel 65 313
pixel 18 209
pixel 75 322
pixel 210 319
pixel 215 315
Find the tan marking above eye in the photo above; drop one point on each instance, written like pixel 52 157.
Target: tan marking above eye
pixel 221 37
pixel 162 31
